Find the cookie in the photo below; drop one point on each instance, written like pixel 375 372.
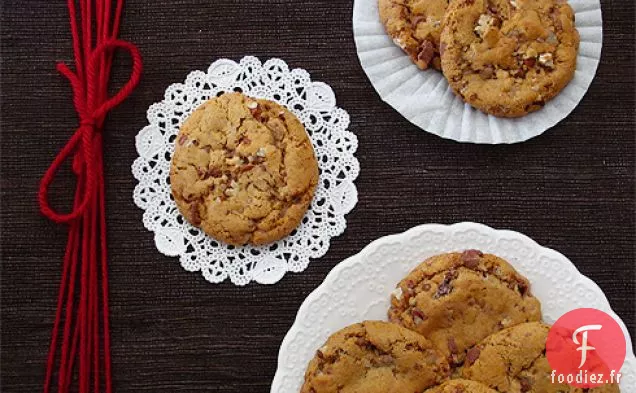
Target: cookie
pixel 513 360
pixel 458 299
pixel 415 26
pixel 461 386
pixel 243 170
pixel 509 57
pixel 375 357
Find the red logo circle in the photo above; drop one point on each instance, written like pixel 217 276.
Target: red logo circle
pixel 586 348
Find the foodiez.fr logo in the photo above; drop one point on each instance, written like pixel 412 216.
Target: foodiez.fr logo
pixel 586 348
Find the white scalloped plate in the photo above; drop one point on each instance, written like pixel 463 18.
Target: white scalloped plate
pixel 359 289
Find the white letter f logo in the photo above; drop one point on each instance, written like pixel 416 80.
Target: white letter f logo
pixel 584 348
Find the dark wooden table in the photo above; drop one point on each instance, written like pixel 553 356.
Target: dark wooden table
pixel 571 189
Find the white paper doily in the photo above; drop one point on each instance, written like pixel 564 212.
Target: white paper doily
pixel 426 100
pixel 315 105
pixel 359 288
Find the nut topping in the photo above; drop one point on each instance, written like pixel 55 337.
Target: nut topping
pixel 397 292
pixel 425 54
pixel 194 213
pixel 399 43
pixel 546 60
pixel 484 23
pixel 530 62
pixel 255 110
pixel 234 188
pixel 236 160
pixel 418 316
pixel 247 167
pixel 472 355
pixel 471 258
pixel 445 287
pixel 321 352
pixel 452 346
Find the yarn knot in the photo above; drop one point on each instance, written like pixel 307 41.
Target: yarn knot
pixel 82 141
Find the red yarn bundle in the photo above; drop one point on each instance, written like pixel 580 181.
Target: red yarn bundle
pixel 85 335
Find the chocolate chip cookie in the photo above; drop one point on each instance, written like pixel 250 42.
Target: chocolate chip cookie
pixel 509 57
pixel 415 26
pixel 461 386
pixel 513 360
pixel 375 357
pixel 243 170
pixel 458 299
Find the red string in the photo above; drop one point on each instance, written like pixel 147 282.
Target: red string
pixel 86 253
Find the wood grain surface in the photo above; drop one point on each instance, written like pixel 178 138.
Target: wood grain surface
pixel 571 189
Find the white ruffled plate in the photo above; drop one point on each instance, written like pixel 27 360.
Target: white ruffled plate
pixel 359 289
pixel 426 99
pixel 315 105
